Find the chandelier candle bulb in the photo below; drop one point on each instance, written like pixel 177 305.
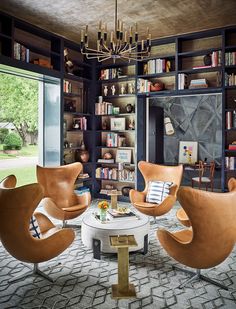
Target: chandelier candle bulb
pixel 82 35
pixel 142 45
pixel 126 33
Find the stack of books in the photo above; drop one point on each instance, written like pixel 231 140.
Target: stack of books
pixel 116 215
pixel 182 81
pixel 198 83
pixel 83 175
pixel 21 52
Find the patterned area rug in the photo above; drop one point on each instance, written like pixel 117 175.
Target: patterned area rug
pixel 83 282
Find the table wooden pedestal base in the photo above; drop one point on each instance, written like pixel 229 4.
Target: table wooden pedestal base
pixel 123 289
pixel 116 293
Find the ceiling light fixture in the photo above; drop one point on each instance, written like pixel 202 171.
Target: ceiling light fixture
pixel 123 44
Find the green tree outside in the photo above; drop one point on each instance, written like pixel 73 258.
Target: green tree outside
pixel 19 104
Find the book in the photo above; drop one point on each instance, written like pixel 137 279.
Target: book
pixel 116 214
pixel 202 67
pixel 232 147
pixel 106 161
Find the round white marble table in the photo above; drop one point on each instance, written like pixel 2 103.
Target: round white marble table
pixel 95 235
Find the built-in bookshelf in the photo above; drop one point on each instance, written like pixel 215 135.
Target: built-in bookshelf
pixel 77 116
pixel 115 124
pixel 230 106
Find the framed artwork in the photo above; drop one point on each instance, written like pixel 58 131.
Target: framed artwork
pixel 117 124
pixel 188 152
pixel 123 156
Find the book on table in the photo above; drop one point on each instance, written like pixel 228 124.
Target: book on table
pixel 116 214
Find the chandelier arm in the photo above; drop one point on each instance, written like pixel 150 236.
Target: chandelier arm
pixel 129 50
pixel 100 60
pixel 132 58
pixel 93 51
pixel 98 56
pixel 106 47
pixel 143 53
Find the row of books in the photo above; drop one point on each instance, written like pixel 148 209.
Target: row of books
pixel 21 52
pixel 232 146
pixel 107 173
pixel 182 81
pixel 198 83
pixel 230 119
pixel 81 190
pixel 104 108
pixel 126 175
pixel 115 174
pixel 143 85
pixel 230 58
pixel 157 66
pixel 230 163
pixel 112 139
pixel 67 86
pixel 230 79
pixel 111 73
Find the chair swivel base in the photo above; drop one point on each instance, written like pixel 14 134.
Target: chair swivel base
pixel 198 276
pixel 34 271
pixel 119 293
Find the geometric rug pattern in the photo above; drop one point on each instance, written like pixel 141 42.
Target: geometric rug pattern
pixel 84 282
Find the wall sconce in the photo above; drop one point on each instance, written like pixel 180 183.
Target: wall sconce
pixel 168 126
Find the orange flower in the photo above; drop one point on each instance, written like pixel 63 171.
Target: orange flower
pixel 103 205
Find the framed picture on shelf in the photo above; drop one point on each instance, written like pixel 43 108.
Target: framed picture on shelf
pixel 118 124
pixel 123 156
pixel 188 152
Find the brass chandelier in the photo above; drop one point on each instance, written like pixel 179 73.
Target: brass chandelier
pixel 122 44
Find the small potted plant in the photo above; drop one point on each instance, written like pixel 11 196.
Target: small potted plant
pixel 103 206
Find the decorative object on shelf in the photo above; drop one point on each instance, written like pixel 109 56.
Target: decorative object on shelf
pixel 105 90
pixel 121 44
pixel 168 126
pixel 76 123
pixel 188 152
pixel 107 156
pixel 121 141
pixel 65 128
pixel 105 125
pixel 123 156
pixel 66 144
pixel 117 124
pixel 131 125
pixel 82 155
pixel 207 59
pixel 125 190
pixel 116 110
pixel 70 106
pixel 129 108
pixel 68 157
pixel 100 99
pixel 113 90
pixel 71 145
pixel 131 88
pixel 158 86
pixel 122 89
pixel 103 206
pixel 68 62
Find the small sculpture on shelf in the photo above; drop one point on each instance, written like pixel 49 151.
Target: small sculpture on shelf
pixel 131 125
pixel 122 89
pixel 82 155
pixel 129 108
pixel 76 124
pixel 105 91
pixel 68 63
pixel 105 125
pixel 131 88
pixel 66 144
pixel 157 86
pixel 113 90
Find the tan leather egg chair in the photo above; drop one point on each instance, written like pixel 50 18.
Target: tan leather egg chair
pixel 152 172
pixel 8 182
pixel 181 214
pixel 60 201
pixel 212 236
pixel 16 208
